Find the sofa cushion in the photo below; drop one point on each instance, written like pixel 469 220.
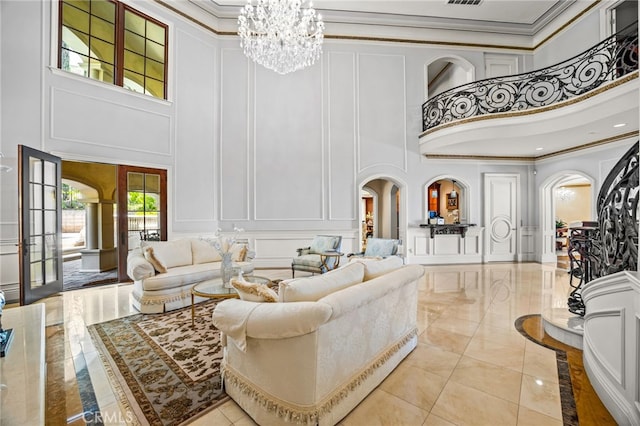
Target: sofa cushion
pixel 203 252
pixel 313 288
pixel 171 253
pixel 376 267
pixel 153 260
pixel 254 292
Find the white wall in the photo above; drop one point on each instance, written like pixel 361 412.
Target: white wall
pixel 281 156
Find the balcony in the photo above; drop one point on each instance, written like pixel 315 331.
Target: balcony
pixel 568 106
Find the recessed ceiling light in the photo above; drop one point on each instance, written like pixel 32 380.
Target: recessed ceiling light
pixel 620 125
pixel 593 133
pixel 539 148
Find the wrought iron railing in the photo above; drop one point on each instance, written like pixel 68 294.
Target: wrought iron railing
pixel 610 59
pixel 611 244
pixel 617 216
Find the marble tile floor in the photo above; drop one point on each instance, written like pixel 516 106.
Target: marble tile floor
pixel 471 365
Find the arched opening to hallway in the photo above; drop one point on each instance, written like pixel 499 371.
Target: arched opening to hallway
pixel 566 199
pixel 382 209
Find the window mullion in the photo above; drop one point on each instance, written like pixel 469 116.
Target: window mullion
pixel 119 65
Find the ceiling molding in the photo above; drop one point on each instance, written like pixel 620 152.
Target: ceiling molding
pixel 402 28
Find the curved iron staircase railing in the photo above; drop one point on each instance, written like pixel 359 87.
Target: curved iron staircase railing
pixel 608 60
pixel 611 245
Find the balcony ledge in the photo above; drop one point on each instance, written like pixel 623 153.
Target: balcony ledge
pixel 576 123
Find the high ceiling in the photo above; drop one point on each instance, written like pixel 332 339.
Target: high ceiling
pixel 514 24
pixel 515 17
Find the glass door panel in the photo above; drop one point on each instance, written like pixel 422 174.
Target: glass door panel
pixel 142 206
pixel 40 224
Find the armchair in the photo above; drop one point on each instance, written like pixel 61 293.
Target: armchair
pixel 321 256
pixel 379 247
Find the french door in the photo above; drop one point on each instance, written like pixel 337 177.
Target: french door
pixel 142 210
pixel 40 224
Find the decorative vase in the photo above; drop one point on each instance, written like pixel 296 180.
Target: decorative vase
pixel 226 270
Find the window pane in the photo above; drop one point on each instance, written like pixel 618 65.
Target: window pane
pixel 35 249
pixel 50 200
pixel 49 173
pixel 155 32
pixel 80 4
pixel 152 183
pixel 133 62
pixel 36 274
pixel 104 9
pixel 155 88
pixel 135 181
pixel 75 18
pixel 35 166
pixel 155 51
pixel 74 40
pixel 155 69
pixel 36 196
pixel 133 22
pixel 108 74
pixel 51 270
pixel 36 222
pixel 51 247
pixel 102 30
pixel 152 203
pixel 75 63
pixel 50 223
pixel 133 81
pixel 101 50
pixel 134 42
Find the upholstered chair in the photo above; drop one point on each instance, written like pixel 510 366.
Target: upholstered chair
pixel 378 247
pixel 321 256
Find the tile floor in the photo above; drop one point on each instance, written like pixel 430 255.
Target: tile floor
pixel 471 366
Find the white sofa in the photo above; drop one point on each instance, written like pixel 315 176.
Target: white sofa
pixel 331 339
pixel 186 261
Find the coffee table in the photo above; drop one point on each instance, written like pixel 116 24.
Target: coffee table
pixel 213 289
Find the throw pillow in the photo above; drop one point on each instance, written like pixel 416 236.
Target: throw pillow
pixel 153 260
pixel 239 253
pixel 254 292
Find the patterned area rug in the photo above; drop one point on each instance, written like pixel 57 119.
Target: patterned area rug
pixel 164 370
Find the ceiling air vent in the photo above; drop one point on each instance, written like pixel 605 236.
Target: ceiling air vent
pixel 465 2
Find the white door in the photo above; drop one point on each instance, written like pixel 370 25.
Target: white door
pixel 502 216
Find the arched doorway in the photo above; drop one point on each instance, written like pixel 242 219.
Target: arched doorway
pixel 446 73
pixel 383 207
pixel 567 191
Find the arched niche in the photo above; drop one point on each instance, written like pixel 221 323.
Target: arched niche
pixel 448 197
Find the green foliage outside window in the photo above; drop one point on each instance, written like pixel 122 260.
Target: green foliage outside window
pixel 70 196
pixel 139 202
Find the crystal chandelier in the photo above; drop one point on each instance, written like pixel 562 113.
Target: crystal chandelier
pixel 280 35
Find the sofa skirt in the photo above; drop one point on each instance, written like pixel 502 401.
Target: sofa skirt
pixel 267 410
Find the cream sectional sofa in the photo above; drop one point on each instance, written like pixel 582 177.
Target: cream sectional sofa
pixel 186 261
pixel 331 339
